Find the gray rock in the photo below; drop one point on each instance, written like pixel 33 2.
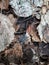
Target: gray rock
pixel 25 8
pixel 6 32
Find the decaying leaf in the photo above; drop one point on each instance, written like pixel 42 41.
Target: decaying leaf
pixel 17 50
pixel 35 37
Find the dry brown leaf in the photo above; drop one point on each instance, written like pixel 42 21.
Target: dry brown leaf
pixel 34 35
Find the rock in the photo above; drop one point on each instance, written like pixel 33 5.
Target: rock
pixel 6 32
pixel 12 19
pixel 4 4
pixel 46 2
pixel 46 34
pixel 38 3
pixel 43 24
pixel 22 8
